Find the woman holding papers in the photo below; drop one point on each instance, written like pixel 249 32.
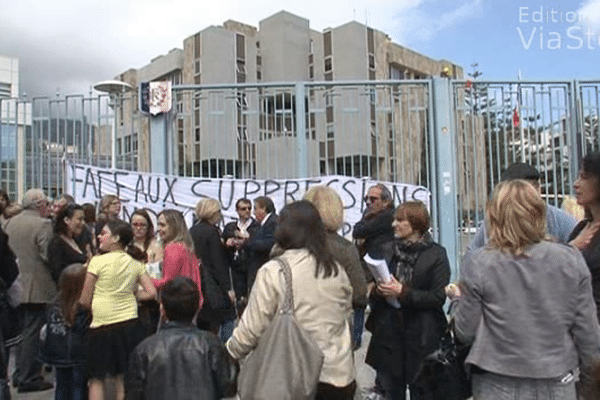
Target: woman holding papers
pixel 406 332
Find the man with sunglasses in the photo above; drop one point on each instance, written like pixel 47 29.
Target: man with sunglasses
pixel 375 227
pixel 370 234
pixel 234 235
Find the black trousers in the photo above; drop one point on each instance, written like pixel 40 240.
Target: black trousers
pixel 325 391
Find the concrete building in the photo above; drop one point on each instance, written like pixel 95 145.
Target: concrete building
pixel 357 130
pixel 15 123
pixel 9 77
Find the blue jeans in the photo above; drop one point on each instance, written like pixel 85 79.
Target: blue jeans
pixel 226 329
pixel 489 386
pixel 70 383
pixel 358 324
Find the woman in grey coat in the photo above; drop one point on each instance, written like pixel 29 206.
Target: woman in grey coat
pixel 525 305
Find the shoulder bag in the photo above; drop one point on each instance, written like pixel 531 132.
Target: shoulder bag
pixel 442 374
pixel 287 362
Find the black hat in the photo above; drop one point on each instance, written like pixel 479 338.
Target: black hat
pixel 520 171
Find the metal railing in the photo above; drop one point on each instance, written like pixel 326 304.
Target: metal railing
pixel 386 130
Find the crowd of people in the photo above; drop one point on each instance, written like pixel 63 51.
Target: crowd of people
pixel 154 309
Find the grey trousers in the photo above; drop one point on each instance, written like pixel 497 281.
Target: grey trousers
pixel 27 367
pixel 490 386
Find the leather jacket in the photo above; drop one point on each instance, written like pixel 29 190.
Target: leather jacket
pixel 180 362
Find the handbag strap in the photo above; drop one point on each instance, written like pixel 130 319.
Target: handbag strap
pixel 288 297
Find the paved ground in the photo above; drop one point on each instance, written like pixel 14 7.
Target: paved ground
pixel 365 377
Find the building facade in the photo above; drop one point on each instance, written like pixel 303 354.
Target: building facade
pixel 15 122
pixel 247 131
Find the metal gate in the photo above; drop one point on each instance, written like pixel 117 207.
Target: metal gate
pixel 452 136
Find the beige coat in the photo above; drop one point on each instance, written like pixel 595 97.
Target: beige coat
pixel 28 236
pixel 321 306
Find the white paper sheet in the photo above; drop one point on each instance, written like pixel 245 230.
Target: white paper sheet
pixel 381 273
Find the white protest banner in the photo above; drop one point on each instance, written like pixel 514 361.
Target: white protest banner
pixel 156 192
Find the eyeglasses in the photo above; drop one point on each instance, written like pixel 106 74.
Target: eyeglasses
pixel 245 208
pixel 371 198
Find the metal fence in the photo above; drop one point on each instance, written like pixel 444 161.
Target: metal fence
pixel 453 137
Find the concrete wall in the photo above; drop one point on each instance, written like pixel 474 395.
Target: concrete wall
pixel 284 46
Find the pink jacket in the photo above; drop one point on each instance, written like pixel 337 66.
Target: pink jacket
pixel 179 261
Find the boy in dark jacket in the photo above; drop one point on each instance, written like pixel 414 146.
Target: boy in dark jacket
pixel 180 361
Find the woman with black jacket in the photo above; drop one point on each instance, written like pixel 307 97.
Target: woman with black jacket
pixel 403 335
pixel 217 311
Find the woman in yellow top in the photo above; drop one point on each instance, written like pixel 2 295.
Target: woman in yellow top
pixel 110 290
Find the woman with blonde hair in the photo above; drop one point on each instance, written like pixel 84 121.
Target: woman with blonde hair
pixel 218 312
pixel 331 209
pixel 179 258
pixel 525 304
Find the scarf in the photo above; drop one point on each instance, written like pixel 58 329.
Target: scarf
pixel 405 256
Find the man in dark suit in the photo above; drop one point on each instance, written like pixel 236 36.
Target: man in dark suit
pixel 235 234
pixel 259 245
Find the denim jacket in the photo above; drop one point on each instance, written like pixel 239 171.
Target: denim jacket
pixel 62 345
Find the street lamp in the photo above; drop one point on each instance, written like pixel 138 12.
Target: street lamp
pixel 115 90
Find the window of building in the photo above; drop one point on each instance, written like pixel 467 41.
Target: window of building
pixel 241 101
pixel 311 72
pixel 240 70
pixel 197 67
pixel 396 71
pixel 328 64
pixel 311 46
pixel 134 142
pixel 370 41
pixel 240 46
pixel 371 61
pixel 197 45
pixel 119 147
pixel 127 146
pixel 327 43
pixel 5 90
pixel 197 135
pixel 330 132
pixel 242 134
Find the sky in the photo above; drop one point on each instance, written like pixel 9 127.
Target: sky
pixel 66 46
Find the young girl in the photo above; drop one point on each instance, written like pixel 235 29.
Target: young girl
pixel 66 324
pixel 110 289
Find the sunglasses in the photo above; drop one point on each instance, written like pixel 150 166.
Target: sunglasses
pixel 245 208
